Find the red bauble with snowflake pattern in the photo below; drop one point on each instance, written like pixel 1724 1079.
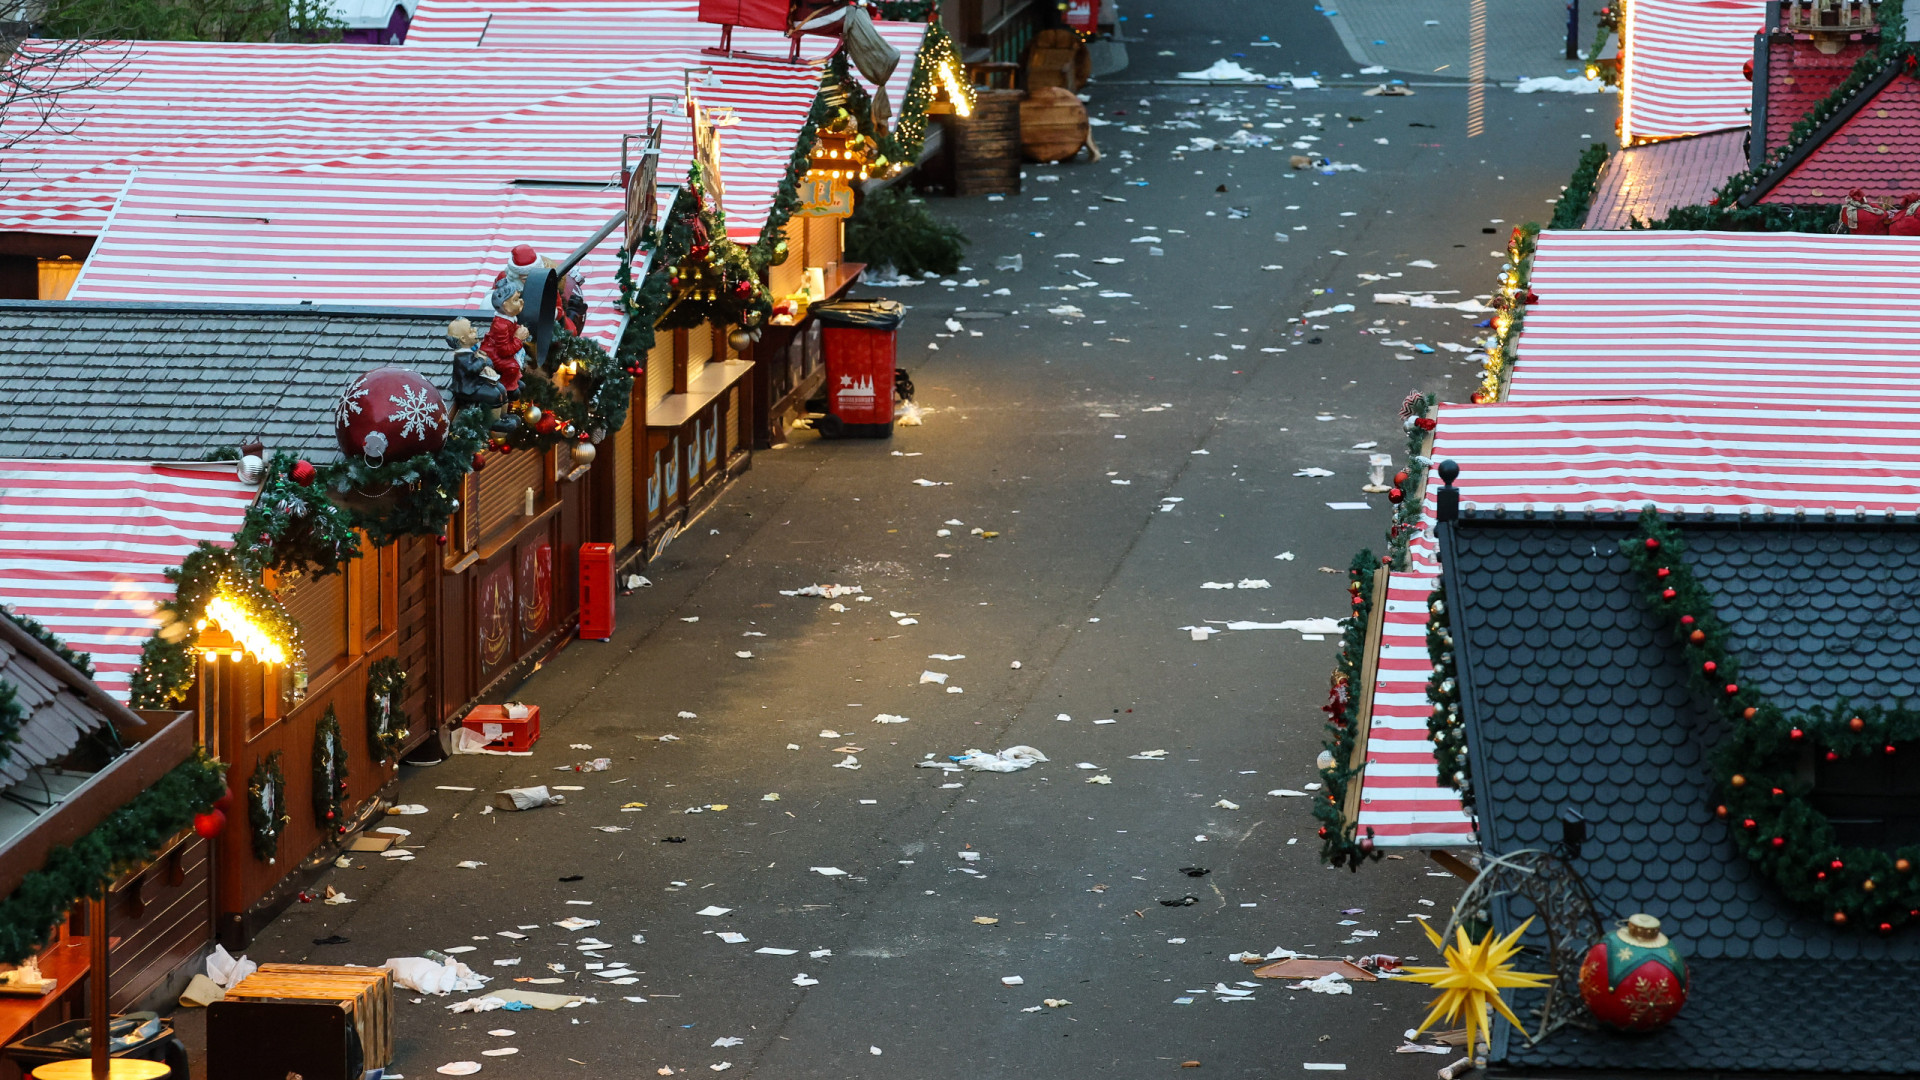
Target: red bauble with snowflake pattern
pixel 390 414
pixel 1634 979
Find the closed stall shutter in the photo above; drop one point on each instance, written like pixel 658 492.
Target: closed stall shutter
pixel 823 241
pixel 500 490
pixel 733 422
pixel 699 350
pixel 319 607
pixel 784 280
pixel 660 367
pixel 623 481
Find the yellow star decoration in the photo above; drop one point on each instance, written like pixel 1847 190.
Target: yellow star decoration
pixel 1472 980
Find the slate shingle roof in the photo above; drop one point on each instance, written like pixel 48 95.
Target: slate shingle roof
pixel 169 382
pixel 1574 696
pixel 1800 76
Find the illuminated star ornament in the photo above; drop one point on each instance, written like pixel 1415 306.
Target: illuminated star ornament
pixel 1472 980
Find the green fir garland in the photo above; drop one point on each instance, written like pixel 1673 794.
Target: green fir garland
pixel 387 723
pixel 167 667
pixel 1510 300
pixel 291 526
pixel 1340 843
pixel 128 837
pixel 1409 484
pixel 329 775
pixel 1761 768
pixel 267 806
pixel 1571 211
pixel 1452 766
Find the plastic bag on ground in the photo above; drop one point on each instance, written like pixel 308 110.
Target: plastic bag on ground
pixel 1012 759
pixel 225 969
pixel 527 798
pixel 422 974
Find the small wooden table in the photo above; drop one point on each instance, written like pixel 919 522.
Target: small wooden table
pixel 119 1069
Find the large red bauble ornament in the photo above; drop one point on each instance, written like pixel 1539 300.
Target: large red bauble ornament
pixel 1634 979
pixel 390 414
pixel 224 802
pixel 209 824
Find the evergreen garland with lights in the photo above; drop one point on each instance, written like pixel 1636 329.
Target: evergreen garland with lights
pixel 1340 843
pixel 1762 767
pixel 291 526
pixel 936 67
pixel 85 868
pixel 387 722
pixel 1571 211
pixel 1452 767
pixel 329 775
pixel 1409 484
pixel 166 670
pixel 1510 302
pixel 1611 17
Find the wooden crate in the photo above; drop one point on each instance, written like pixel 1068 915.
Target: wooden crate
pixel 365 993
pixel 986 153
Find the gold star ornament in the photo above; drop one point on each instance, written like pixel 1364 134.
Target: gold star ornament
pixel 1472 979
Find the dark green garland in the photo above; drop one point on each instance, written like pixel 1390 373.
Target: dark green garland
pixel 82 662
pixel 11 717
pixel 1611 17
pixel 1452 766
pixel 295 527
pixel 329 783
pixel 266 826
pixel 1503 348
pixel 387 723
pixel 1571 211
pixel 1759 767
pixel 649 303
pixel 429 484
pixel 167 667
pixel 83 869
pixel 1410 482
pixel 1340 843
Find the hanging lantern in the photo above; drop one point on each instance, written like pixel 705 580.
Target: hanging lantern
pixel 1634 979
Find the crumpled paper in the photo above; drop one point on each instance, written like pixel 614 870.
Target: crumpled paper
pixel 422 974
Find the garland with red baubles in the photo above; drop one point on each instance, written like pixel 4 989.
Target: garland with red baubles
pixel 1340 841
pixel 1758 769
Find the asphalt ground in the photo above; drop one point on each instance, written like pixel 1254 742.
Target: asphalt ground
pixel 1071 437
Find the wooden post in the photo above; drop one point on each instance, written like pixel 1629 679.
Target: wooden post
pixel 97 1016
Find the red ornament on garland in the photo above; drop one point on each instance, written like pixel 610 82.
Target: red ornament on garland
pixel 1652 544
pixel 1395 495
pixel 1426 423
pixel 390 414
pixel 224 802
pixel 209 824
pixel 1634 979
pixel 302 472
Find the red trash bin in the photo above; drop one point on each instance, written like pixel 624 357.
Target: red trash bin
pixel 596 592
pixel 860 339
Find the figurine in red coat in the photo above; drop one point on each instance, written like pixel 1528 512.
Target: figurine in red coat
pixel 506 339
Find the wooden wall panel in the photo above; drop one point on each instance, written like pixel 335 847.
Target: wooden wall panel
pixel 169 923
pixel 660 367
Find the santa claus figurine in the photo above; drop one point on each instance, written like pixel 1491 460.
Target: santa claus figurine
pixel 506 338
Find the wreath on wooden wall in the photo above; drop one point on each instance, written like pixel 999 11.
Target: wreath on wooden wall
pixel 1764 791
pixel 267 806
pixel 329 774
pixel 387 722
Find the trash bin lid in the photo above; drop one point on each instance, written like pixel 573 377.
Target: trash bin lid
pixel 866 314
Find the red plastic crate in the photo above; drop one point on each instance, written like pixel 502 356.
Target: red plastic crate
pixel 502 733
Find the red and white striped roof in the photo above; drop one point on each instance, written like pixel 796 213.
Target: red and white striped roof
pixel 345 238
pixel 1606 456
pixel 84 546
pixel 1716 317
pixel 564 27
pixel 1681 66
pixel 455 115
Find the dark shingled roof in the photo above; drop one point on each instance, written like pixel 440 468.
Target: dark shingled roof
pixel 1574 695
pixel 170 382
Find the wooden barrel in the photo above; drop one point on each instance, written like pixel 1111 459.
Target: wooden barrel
pixel 986 152
pixel 1053 124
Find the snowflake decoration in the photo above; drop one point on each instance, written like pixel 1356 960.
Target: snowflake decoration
pixel 349 406
pixel 419 410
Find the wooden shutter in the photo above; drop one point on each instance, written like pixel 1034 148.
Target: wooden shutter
pixel 500 490
pixel 699 350
pixel 785 279
pixel 621 446
pixel 732 422
pixel 660 367
pixel 319 606
pixel 823 240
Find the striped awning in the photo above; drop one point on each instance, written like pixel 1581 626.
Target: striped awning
pixel 1608 456
pixel 1716 317
pixel 1681 68
pixel 626 26
pixel 84 547
pixel 472 115
pixel 380 240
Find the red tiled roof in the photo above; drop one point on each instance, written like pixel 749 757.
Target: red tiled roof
pixel 1647 181
pixel 1877 150
pixel 1800 76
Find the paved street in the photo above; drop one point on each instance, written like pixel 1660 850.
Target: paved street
pixel 1138 443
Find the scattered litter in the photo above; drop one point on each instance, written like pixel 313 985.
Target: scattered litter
pixel 1288 792
pixel 1103 778
pixel 459 1068
pixel 714 911
pixel 984 920
pixel 933 483
pixel 1225 805
pixel 1148 755
pixel 431 977
pixel 731 938
pixel 851 762
pixel 575 922
pixel 828 871
pixel 1313 471
pixel 771 951
pixel 933 677
pixel 1012 980
pixel 407 809
pixel 527 798
pixel 830 592
pixel 1012 759
pixel 802 980
pixel 1554 84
